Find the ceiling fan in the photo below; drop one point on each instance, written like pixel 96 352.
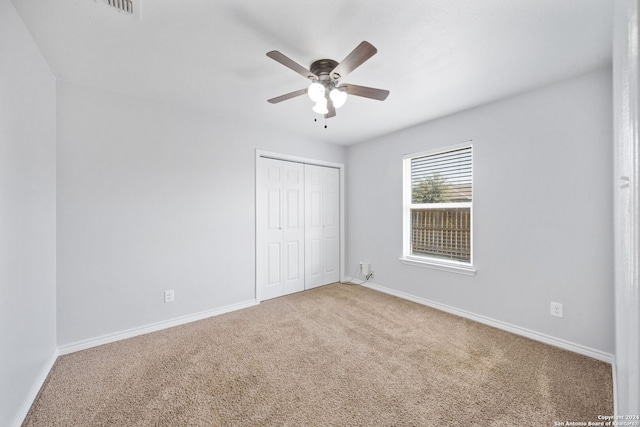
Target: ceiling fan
pixel 325 89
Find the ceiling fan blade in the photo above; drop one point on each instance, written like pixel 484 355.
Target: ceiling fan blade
pixel 287 96
pixel 289 63
pixel 331 108
pixel 361 53
pixel 367 92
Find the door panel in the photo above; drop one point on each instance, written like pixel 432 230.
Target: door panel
pixel 270 253
pixel 330 266
pixel 273 208
pixel 315 212
pixel 293 259
pixel 282 233
pixel 293 209
pixel 315 258
pixel 322 225
pixel 331 224
pixel 293 230
pixel 313 226
pixel 273 264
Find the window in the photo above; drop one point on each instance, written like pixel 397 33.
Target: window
pixel 438 188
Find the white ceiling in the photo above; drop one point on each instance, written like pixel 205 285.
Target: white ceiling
pixel 435 56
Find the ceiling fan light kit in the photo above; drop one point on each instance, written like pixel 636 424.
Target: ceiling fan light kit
pixel 325 89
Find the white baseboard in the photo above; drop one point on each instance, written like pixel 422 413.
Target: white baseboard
pixel 537 336
pixel 133 332
pixel 35 389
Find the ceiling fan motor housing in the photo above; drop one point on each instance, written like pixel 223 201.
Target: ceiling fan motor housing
pixel 322 68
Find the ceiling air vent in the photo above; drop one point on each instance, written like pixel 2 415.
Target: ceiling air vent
pixel 127 7
pixel 121 5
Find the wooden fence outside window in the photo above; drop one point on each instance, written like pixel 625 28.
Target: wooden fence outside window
pixel 442 233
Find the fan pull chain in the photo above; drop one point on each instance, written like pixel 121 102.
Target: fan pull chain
pixel 325 121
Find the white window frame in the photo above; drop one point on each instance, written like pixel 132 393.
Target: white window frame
pixel 454 266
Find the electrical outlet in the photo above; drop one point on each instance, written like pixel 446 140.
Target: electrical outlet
pixel 556 309
pixel 365 268
pixel 168 296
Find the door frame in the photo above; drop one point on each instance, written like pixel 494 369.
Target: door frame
pixel 258 184
pixel 626 154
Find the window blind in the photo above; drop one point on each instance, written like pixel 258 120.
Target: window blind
pixel 442 178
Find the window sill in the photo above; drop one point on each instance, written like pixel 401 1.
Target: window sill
pixel 452 267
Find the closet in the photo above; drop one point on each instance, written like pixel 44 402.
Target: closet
pixel 298 226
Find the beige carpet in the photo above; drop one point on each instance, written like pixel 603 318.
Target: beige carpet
pixel 339 355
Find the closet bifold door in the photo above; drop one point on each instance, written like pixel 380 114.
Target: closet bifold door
pixel 281 264
pixel 322 225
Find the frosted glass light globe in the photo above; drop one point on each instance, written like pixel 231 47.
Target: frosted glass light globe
pixel 316 91
pixel 338 97
pixel 321 106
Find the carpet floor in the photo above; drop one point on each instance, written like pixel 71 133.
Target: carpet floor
pixel 338 355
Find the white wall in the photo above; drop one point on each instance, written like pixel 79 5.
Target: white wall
pixel 27 216
pixel 542 210
pixel 150 198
